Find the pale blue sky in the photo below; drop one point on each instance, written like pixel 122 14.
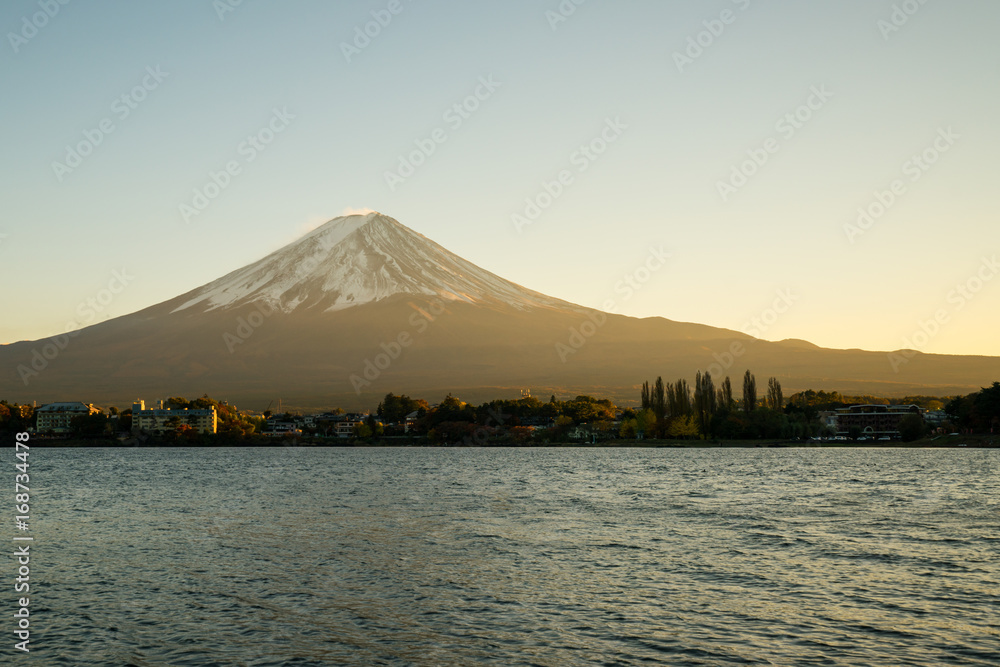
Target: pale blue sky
pixel 655 185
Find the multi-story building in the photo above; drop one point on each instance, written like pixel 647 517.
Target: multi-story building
pixel 878 421
pixel 345 424
pixel 276 429
pixel 410 420
pixel 160 419
pixel 936 417
pixel 55 417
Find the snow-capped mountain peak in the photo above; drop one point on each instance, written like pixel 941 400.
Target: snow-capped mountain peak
pixel 359 259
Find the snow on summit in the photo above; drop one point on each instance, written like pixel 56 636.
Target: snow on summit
pixel 359 259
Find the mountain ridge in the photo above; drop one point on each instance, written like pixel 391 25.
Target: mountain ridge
pixel 363 305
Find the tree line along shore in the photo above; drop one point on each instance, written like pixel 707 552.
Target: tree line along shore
pixel 668 413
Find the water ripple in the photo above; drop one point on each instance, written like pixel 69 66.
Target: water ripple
pixel 516 557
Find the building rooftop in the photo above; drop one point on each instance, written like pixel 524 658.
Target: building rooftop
pixel 63 407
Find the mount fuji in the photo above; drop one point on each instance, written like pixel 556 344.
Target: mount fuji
pixel 358 260
pixel 363 305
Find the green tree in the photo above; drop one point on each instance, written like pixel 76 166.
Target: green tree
pixel 679 399
pixel 90 426
pixel 725 398
pixel 451 409
pixel 374 426
pixel 979 411
pixel 731 425
pixel 125 421
pixel 393 409
pixel 172 423
pixel 767 423
pixel 959 409
pixel 987 407
pixel 912 427
pixel 551 410
pixel 658 404
pixel 704 401
pixel 775 400
pixel 749 392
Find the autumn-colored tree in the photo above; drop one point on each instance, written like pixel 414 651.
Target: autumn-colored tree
pixel 684 427
pixel 646 423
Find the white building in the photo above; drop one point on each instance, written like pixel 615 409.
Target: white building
pixel 159 420
pixel 55 417
pixel 346 424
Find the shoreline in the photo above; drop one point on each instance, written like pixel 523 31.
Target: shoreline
pixel 983 441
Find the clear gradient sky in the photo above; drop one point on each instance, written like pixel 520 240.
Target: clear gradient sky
pixel 208 79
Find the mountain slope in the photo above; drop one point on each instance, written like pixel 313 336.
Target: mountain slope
pixel 363 305
pixel 356 260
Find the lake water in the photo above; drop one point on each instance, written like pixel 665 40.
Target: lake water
pixel 557 557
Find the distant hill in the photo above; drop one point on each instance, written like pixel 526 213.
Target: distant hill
pixel 801 344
